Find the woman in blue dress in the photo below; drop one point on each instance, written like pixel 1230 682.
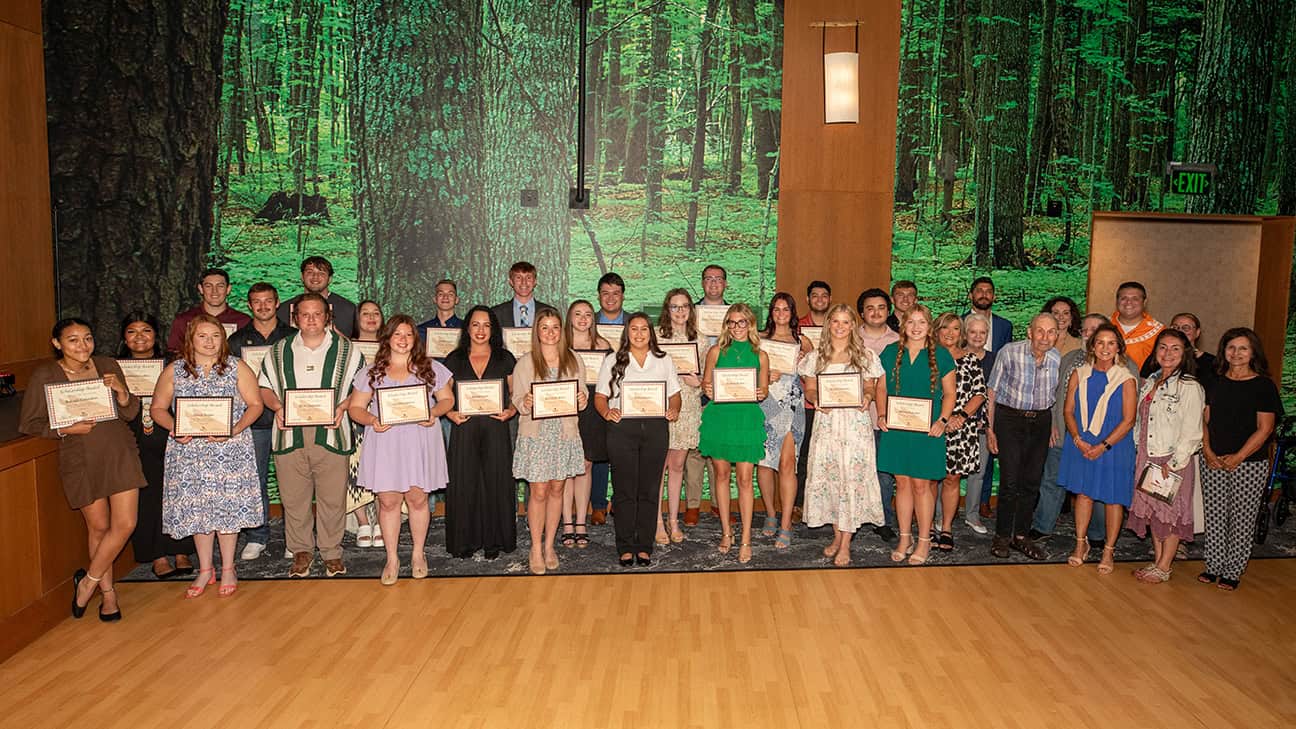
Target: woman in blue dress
pixel 1098 454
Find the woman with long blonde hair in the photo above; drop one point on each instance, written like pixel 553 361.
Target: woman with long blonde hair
pixel 734 432
pixel 841 473
pixel 548 451
pixel 922 375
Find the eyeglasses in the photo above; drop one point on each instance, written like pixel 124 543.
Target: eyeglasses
pixel 713 279
pixel 678 307
pixel 736 324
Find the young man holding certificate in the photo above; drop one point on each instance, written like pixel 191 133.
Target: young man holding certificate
pixel 251 344
pixel 306 381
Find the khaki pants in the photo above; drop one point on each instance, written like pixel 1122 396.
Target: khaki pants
pixel 313 473
pixel 694 467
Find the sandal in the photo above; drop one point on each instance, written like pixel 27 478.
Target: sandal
pixel 1207 578
pixel 569 537
pixel 227 589
pixel 1075 561
pixel 1228 585
pixel 200 587
pixel 1153 575
pixel 582 540
pixel 1105 567
pixel 744 553
pixel 945 542
pixel 784 539
pixel 914 559
pixel 726 543
pixel 676 536
pixel 771 525
pixel 898 554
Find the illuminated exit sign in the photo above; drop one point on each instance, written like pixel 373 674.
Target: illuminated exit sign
pixel 1189 179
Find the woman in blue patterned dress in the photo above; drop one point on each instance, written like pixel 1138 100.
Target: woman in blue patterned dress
pixel 784 423
pixel 210 484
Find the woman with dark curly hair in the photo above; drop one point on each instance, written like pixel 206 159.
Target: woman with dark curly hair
pixel 1068 319
pixel 402 463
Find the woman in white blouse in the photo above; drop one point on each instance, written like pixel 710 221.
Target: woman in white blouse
pixel 1167 436
pixel 637 440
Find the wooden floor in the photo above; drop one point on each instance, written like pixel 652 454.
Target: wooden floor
pixel 1011 646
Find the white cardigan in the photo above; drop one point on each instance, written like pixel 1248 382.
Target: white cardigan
pixel 1174 419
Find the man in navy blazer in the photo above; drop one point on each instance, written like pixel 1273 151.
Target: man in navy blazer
pixel 520 311
pixel 982 296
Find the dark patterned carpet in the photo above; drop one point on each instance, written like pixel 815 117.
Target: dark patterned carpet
pixel 698 553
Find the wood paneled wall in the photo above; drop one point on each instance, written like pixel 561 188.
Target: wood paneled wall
pixel 837 181
pixel 26 253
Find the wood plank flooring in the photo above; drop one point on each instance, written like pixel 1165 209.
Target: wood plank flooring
pixel 1011 646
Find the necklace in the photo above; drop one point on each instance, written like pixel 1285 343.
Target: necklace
pixel 73 373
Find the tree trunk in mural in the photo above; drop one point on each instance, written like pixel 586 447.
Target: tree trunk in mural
pixel 909 124
pixel 756 72
pixel 1041 146
pixel 658 115
pixel 951 101
pixel 416 123
pixel 303 90
pixel 615 120
pixel 1001 149
pixel 1233 87
pixel 737 118
pixel 135 234
pixel 1118 149
pixel 697 163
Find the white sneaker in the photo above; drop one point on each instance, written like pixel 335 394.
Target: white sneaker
pixel 252 550
pixel 976 526
pixel 364 536
pixel 288 553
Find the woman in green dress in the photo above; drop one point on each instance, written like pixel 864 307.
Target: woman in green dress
pixel 734 432
pixel 918 369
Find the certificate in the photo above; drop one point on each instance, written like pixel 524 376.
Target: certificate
pixel 68 403
pixel 733 384
pixel 592 359
pixel 710 318
pixel 612 333
pixel 813 334
pixel 440 342
pixel 479 397
pixel 554 399
pixel 643 399
pixel 368 349
pixel 1161 488
pixel 229 329
pixel 839 390
pixel 406 404
pixel 254 356
pixel 517 340
pixel 684 355
pixel 204 417
pixel 141 374
pixel 308 407
pixel 782 355
pixel 909 413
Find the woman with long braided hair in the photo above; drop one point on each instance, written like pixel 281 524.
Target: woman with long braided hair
pixel 917 371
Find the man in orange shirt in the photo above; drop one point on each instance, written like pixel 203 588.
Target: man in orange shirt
pixel 1137 327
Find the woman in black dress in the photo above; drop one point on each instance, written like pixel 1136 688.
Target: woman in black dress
pixel 481 500
pixel 140 340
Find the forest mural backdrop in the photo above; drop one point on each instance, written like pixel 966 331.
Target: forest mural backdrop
pixel 398 137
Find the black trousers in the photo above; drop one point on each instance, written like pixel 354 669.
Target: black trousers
pixel 637 452
pixel 1023 437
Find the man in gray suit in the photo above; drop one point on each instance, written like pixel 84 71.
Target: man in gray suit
pixel 520 311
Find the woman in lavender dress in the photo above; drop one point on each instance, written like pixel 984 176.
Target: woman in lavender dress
pixel 402 463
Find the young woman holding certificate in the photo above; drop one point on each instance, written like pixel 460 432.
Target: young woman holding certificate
pixel 638 393
pixel 481 501
pixel 98 460
pixel 211 483
pixel 548 392
pixel 141 343
pixel 920 399
pixel 841 476
pixel 399 399
pixel 784 417
pixel 1167 436
pixel 677 325
pixel 1098 452
pixel 591 349
pixel 736 379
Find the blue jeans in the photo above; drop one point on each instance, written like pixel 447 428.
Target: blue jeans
pixel 598 486
pixel 887 483
pixel 261 443
pixel 1052 496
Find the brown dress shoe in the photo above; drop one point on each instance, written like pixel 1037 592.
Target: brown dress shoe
pixel 334 567
pixel 598 517
pixel 301 564
pixel 985 511
pixel 1028 547
pixel 999 547
pixel 690 517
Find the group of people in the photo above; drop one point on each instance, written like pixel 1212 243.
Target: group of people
pixel 1120 411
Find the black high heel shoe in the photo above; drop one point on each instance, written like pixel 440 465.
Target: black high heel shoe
pixel 642 560
pixel 109 617
pixel 77 610
pixel 627 561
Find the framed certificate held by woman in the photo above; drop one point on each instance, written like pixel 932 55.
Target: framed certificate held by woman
pixel 480 397
pixel 399 405
pixel 734 384
pixel 643 399
pixel 203 417
pixel 68 403
pixel 839 390
pixel 554 399
pixel 909 413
